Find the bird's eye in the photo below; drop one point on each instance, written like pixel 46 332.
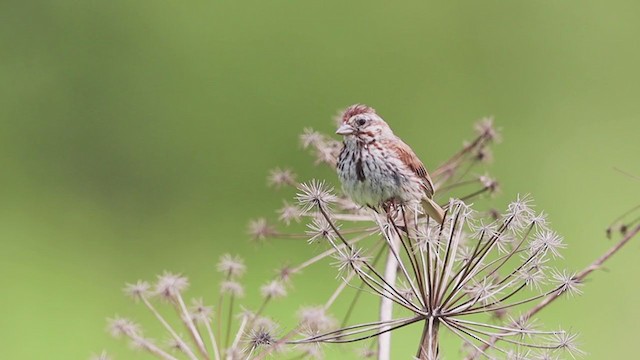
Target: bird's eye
pixel 361 122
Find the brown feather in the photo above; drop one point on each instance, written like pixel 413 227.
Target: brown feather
pixel 408 157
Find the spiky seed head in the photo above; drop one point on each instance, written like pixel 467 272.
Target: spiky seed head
pixel 348 261
pixel 486 129
pixel 232 288
pixel 289 213
pixel 262 336
pixel 567 342
pixel 316 319
pixel 489 183
pixel 232 266
pixel 285 273
pixel 201 313
pixel 566 282
pixel 137 290
pixel 260 229
pixel 320 228
pixel 315 194
pixel 170 285
pixel 281 177
pixel 310 137
pixel 519 213
pixel 119 326
pixel 273 289
pixel 547 241
pixel 175 345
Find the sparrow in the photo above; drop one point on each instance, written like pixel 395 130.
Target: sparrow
pixel 376 168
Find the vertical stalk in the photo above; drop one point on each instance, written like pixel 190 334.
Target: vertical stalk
pixel 386 304
pixel 229 322
pixel 430 342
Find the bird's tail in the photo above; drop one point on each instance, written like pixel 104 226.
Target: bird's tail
pixel 433 209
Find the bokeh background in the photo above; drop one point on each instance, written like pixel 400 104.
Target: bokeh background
pixel 135 137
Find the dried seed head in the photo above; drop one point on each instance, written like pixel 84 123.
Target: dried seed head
pixel 482 231
pixel 524 325
pixel 320 228
pixel 170 285
pixel 483 291
pixel 138 290
pixel 485 128
pixel 483 154
pixel 566 282
pixel 316 319
pixel 489 183
pixel 199 312
pixel 262 337
pixel 175 345
pixel 281 177
pixel 289 213
pixel 533 276
pixel 350 260
pixel 462 210
pixel 547 241
pixel 567 342
pixel 327 153
pixel 273 289
pixel 310 137
pixel 505 242
pixel 465 254
pixel 429 237
pixel 260 230
pixel 264 322
pixel 519 213
pixel 540 221
pixel 285 273
pixel 315 194
pixel 232 288
pixel 232 266
pixel 119 326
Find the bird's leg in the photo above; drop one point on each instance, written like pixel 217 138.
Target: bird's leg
pixel 390 209
pixel 386 206
pixel 391 206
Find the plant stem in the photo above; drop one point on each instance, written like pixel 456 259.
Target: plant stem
pixel 386 304
pixel 229 321
pixel 430 342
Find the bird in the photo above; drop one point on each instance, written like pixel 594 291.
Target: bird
pixel 376 168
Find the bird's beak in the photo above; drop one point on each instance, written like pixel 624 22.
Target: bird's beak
pixel 345 129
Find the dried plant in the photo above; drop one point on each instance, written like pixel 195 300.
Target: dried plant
pixel 464 267
pixel 230 332
pixel 479 275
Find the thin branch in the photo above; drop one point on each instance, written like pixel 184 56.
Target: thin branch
pixel 597 264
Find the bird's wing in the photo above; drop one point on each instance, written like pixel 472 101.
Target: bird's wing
pixel 408 157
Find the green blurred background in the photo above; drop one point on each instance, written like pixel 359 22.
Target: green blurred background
pixel 135 137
